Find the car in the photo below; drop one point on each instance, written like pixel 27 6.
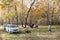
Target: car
pixel 10 28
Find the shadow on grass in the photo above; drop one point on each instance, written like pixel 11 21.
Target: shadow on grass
pixel 21 32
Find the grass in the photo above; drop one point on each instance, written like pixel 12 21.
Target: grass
pixel 40 33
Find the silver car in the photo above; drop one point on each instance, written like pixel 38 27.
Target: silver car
pixel 10 28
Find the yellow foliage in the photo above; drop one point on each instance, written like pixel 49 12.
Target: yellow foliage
pixel 5 18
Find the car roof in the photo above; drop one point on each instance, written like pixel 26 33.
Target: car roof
pixel 8 25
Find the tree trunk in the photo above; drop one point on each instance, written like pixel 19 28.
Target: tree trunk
pixel 16 15
pixel 28 13
pixel 48 14
pixel 52 22
pixel 22 24
pixel 22 13
pixel 8 13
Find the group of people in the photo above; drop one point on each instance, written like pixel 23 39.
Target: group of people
pixel 31 26
pixel 34 25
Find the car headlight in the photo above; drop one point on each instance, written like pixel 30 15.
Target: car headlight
pixel 10 30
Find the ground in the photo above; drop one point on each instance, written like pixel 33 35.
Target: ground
pixel 40 33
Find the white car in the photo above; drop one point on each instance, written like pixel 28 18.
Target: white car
pixel 11 28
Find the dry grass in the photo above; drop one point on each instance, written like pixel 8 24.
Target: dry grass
pixel 41 33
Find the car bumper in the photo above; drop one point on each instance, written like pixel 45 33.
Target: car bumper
pixel 13 31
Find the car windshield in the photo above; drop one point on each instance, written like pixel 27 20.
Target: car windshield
pixel 12 26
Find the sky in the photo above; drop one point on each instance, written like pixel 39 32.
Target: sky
pixel 28 2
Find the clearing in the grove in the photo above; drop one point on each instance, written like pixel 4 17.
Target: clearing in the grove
pixel 32 19
pixel 40 33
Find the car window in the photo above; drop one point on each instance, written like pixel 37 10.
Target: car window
pixel 12 26
pixel 7 25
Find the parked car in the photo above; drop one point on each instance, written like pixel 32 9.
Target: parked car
pixel 10 28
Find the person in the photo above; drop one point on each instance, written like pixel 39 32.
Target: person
pixel 49 28
pixel 31 25
pixel 27 29
pixel 36 26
